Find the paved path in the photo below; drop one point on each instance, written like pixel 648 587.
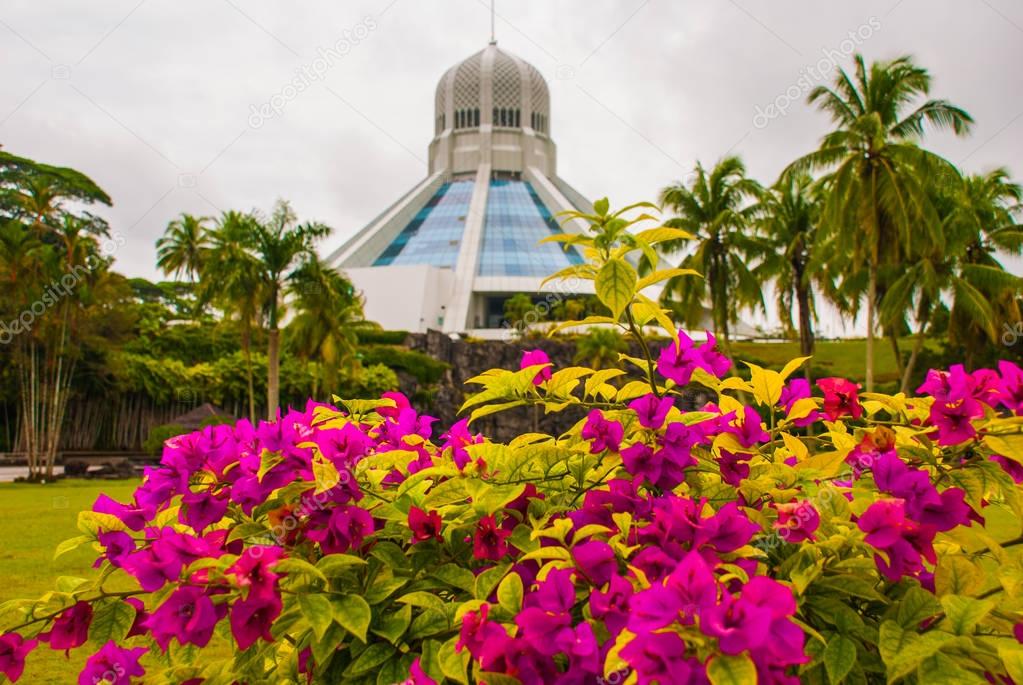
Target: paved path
pixel 9 473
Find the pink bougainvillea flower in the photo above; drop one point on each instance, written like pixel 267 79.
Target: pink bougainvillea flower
pixel 117 544
pixel 904 543
pixel 734 467
pixel 71 628
pixel 417 676
pixel 188 615
pixel 612 606
pixel 251 618
pixel 797 521
pixel 137 625
pixel 113 664
pixel 841 398
pixel 954 420
pixel 456 439
pixel 601 433
pixel 678 360
pixel 660 658
pixel 798 389
pixel 424 526
pixel 400 402
pixel 535 358
pixel 751 430
pixel 875 444
pixel 1010 466
pixel 202 509
pixel 555 594
pixel 651 410
pixel 1010 387
pixel 252 569
pixel 640 460
pixel 13 650
pixel 165 557
pixel 132 516
pixel 346 527
pixel 883 522
pixel 489 540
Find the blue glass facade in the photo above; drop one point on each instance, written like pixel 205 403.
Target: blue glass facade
pixel 433 237
pixel 516 220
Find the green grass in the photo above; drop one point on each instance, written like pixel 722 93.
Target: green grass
pixel 34 519
pixel 843 358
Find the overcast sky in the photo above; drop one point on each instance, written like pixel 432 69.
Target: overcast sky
pixel 160 101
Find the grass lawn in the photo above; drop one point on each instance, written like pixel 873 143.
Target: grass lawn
pixel 843 358
pixel 34 519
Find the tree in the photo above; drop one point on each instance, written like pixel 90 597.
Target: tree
pixel 716 209
pixel 328 316
pixel 876 201
pixel 600 348
pixel 184 246
pixel 789 221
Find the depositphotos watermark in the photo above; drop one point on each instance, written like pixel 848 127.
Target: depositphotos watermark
pixel 814 74
pixel 57 289
pixel 310 73
pixel 1012 333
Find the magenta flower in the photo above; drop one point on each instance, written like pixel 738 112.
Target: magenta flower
pixel 612 606
pixel 118 545
pixel 555 594
pixel 602 434
pixel 13 650
pixel 954 421
pixel 71 628
pixel 417 676
pixel 252 569
pixel 489 540
pixel 750 431
pixel 456 439
pixel 252 618
pixel 202 509
pixel 795 390
pixel 424 526
pixel 660 658
pixel 733 466
pixel 1010 466
pixel 904 542
pixel 132 516
pixel 1010 388
pixel 400 402
pixel 651 410
pixel 535 358
pixel 641 460
pixel 797 521
pixel 347 526
pixel 188 615
pixel 112 664
pixel 678 360
pixel 841 398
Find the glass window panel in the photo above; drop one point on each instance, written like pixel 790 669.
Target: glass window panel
pixel 434 235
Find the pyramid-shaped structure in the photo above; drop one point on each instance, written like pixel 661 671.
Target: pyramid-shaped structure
pixel 452 250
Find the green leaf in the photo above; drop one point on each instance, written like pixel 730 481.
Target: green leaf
pixel 391 554
pixel 903 650
pixel 1012 657
pixel 616 285
pixel 370 658
pixel 965 613
pixel 509 593
pixel 941 668
pixel 601 206
pixel 394 625
pixel 423 600
pixel 317 610
pixel 92 522
pixel 70 545
pixel 353 613
pixel 731 670
pixel 455 665
pixel 111 620
pixel 488 580
pixel 325 474
pixel 839 657
pixel 336 564
pixel 456 576
pixel 957 575
pixel 428 623
pixel 916 606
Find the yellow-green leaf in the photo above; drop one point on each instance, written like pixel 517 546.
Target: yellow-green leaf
pixel 616 285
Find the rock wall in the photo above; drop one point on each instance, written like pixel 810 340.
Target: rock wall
pixel 470 358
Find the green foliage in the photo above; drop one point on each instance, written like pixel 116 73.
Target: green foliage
pixel 158 435
pixel 423 367
pixel 381 337
pixel 375 379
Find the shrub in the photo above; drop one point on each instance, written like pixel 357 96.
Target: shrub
pixel 153 444
pixel 370 336
pixel 376 379
pixel 823 536
pixel 423 367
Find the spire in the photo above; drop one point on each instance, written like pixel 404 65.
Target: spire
pixel 493 24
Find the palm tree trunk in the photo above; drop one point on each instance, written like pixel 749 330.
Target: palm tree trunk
pixel 871 296
pixel 247 354
pixel 273 371
pixel 918 345
pixel 805 328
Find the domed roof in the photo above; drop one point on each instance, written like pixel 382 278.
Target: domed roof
pixel 487 83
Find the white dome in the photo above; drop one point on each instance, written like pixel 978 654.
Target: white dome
pixel 493 87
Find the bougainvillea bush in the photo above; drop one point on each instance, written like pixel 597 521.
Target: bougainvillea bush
pixel 785 532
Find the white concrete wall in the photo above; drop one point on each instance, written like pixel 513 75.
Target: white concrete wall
pixel 405 298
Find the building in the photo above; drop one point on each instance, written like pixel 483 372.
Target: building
pixel 453 249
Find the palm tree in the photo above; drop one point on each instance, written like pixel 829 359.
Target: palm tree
pixel 329 314
pixel 600 348
pixel 876 203
pixel 791 256
pixel 231 277
pixel 184 246
pixel 715 208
